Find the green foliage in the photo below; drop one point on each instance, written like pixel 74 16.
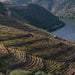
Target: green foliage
pixel 42 73
pixel 20 72
pixel 58 73
pixel 8 72
pixel 23 72
pixel 1 73
pixel 39 73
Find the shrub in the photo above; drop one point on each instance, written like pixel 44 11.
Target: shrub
pixel 41 73
pixel 20 72
pixel 58 73
pixel 8 72
pixel 1 73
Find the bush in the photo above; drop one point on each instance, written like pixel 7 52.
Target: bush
pixel 1 73
pixel 58 73
pixel 20 72
pixel 8 72
pixel 38 73
pixel 41 73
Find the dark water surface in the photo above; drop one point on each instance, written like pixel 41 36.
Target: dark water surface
pixel 68 31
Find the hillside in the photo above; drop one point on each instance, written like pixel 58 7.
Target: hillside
pixel 38 16
pixel 26 47
pixel 62 8
pixel 34 15
pixel 2 9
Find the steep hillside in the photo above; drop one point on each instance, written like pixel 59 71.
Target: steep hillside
pixel 34 15
pixel 37 16
pixel 62 8
pixel 26 47
pixel 2 9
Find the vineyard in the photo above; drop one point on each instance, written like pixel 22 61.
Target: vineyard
pixel 3 51
pixel 33 49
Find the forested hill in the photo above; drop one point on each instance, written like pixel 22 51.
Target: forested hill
pixel 62 8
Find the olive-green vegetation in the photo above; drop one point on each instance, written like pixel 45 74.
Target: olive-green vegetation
pixel 1 73
pixel 24 72
pixel 20 72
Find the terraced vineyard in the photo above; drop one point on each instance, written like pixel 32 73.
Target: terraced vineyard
pixel 14 58
pixel 49 50
pixel 71 69
pixel 33 63
pixel 28 48
pixel 53 66
pixel 3 51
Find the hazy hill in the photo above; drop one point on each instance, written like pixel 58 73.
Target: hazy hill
pixel 62 8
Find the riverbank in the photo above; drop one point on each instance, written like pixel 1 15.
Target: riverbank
pixel 56 26
pixel 68 31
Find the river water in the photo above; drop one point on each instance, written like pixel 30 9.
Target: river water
pixel 68 31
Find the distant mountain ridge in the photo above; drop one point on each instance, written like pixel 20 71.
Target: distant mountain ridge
pixel 62 8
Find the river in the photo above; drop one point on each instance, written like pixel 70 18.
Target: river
pixel 68 31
